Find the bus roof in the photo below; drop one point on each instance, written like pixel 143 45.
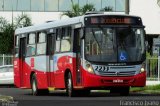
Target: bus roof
pixel 63 22
pixel 48 25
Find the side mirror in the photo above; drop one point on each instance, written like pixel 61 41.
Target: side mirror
pixel 146 45
pixel 146 37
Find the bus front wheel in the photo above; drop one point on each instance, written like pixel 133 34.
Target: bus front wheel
pixel 69 86
pixel 123 91
pixel 35 90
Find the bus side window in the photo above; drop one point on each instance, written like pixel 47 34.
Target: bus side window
pixel 66 39
pixel 41 43
pixel 31 47
pixel 51 44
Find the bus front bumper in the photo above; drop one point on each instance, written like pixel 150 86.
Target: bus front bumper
pixel 94 81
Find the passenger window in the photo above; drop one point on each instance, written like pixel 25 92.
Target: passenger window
pixel 31 50
pixel 41 43
pixel 66 39
pixel 32 38
pixel 41 37
pixel 31 47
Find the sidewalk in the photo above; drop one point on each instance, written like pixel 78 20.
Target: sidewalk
pixel 152 83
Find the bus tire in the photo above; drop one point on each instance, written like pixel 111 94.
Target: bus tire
pixel 84 92
pixel 35 90
pixel 114 90
pixel 124 91
pixel 44 91
pixel 69 85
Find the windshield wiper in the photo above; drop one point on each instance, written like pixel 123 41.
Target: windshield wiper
pixel 104 32
pixel 96 40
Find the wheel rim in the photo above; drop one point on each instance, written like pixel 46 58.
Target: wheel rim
pixel 69 86
pixel 34 88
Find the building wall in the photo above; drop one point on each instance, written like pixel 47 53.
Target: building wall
pixel 57 5
pixel 149 11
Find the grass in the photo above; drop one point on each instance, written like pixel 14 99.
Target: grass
pixel 146 89
pixel 155 89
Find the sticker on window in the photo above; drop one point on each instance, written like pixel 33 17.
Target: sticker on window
pixel 123 56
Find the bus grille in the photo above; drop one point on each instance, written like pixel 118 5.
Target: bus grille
pixel 126 73
pixel 128 67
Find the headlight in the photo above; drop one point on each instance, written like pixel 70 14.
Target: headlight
pixel 88 67
pixel 142 68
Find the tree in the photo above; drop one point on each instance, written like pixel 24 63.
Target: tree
pixel 77 10
pixel 23 20
pixel 6 36
pixel 107 8
pixel 3 23
pixel 87 8
pixel 7 32
pixel 6 39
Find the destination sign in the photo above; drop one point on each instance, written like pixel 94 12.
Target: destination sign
pixel 116 20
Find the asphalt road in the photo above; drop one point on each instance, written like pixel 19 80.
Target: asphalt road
pixel 23 97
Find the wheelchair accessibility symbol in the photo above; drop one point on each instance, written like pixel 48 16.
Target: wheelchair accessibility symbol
pixel 123 56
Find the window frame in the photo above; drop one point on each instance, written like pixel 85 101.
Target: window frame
pixel 44 42
pixel 58 34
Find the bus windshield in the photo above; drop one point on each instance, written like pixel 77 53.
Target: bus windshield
pixel 114 44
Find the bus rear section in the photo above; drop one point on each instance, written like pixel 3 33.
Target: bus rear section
pixel 82 54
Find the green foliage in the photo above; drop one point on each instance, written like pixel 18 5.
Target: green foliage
pixel 3 23
pixel 77 10
pixel 87 8
pixel 6 40
pixel 7 32
pixel 23 20
pixel 154 87
pixel 152 62
pixel 146 88
pixel 137 89
pixel 107 9
pixel 148 55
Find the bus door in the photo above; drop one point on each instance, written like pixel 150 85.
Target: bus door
pixel 50 53
pixel 22 54
pixel 77 50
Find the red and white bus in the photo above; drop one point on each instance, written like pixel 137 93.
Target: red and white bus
pixel 94 51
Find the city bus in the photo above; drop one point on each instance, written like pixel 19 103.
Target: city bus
pixel 80 54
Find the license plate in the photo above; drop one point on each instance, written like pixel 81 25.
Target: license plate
pixel 118 81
